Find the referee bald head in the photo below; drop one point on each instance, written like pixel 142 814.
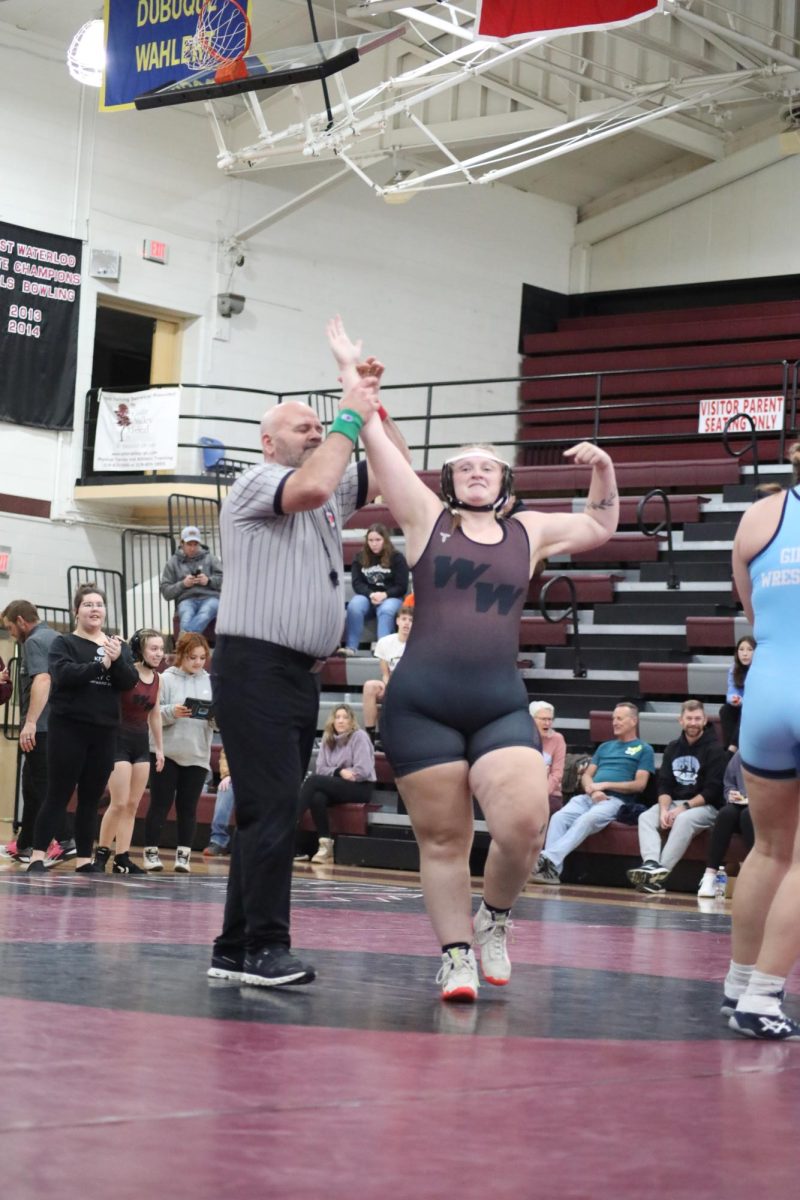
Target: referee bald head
pixel 290 433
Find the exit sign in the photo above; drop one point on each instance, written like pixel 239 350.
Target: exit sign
pixel 154 251
pixel 5 560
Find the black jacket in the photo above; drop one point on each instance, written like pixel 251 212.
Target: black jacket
pixel 392 579
pixel 689 770
pixel 82 689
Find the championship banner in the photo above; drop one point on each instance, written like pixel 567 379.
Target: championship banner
pixel 137 431
pixel 509 19
pixel 766 411
pixel 149 43
pixel 40 285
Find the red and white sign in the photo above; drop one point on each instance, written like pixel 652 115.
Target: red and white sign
pixel 509 19
pixel 154 251
pixel 766 411
pixel 5 561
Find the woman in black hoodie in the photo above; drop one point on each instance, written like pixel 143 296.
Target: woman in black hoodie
pixel 379 576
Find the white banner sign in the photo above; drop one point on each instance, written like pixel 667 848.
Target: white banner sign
pixel 766 411
pixel 137 431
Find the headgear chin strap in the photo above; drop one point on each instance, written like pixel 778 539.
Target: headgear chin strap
pixel 448 491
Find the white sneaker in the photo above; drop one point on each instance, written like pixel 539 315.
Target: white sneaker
pixel 151 860
pixel 708 887
pixel 491 934
pixel 325 852
pixel 458 976
pixel 183 860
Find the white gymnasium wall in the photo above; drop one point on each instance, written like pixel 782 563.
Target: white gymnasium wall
pixel 433 286
pixel 744 230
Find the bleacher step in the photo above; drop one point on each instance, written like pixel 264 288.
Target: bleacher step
pixel 689 571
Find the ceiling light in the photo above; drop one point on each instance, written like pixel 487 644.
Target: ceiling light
pixel 86 57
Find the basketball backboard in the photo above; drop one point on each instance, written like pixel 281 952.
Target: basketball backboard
pixel 272 69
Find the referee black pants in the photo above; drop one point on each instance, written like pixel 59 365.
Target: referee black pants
pixel 267 703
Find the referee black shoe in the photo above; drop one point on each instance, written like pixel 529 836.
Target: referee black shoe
pixel 275 966
pixel 226 966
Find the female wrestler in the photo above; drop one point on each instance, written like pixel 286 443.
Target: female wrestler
pixel 140 712
pixel 456 725
pixel 766 932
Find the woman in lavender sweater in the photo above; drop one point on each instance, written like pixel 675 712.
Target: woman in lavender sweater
pixel 345 773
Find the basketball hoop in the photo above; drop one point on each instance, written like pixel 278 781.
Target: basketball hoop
pixel 221 40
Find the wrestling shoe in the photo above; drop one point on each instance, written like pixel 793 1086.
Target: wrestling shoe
pixel 458 976
pixel 275 966
pixel 101 856
pixel 9 850
pixel 60 852
pixel 728 1006
pixel 770 1028
pixel 491 935
pixel 124 865
pixel 227 966
pixel 151 859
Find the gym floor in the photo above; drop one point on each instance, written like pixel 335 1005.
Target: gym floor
pixel 603 1070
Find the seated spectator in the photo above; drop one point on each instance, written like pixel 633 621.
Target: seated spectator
pixel 618 772
pixel 193 578
pixel 220 839
pixel 554 748
pixel 389 651
pixel 689 795
pixel 379 576
pixel 344 774
pixel 730 714
pixel 733 817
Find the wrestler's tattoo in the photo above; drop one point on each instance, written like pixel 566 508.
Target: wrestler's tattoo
pixel 606 502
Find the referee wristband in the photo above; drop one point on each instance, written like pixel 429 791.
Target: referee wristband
pixel 382 413
pixel 349 423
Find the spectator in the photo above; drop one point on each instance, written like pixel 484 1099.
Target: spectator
pixel 730 714
pixel 88 670
pixel 689 795
pixel 220 839
pixel 379 576
pixel 733 817
pixel 35 637
pixel 554 748
pixel 619 771
pixel 344 774
pixel 193 578
pixel 186 715
pixel 388 651
pixel 6 689
pixel 140 722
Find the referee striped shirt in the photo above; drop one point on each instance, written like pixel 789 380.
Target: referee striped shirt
pixel 277 585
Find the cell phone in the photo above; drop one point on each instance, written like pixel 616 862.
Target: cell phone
pixel 203 710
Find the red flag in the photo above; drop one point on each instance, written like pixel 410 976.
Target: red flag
pixel 525 18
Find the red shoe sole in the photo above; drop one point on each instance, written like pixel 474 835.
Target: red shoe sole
pixel 496 982
pixel 462 995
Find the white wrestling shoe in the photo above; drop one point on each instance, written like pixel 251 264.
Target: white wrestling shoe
pixel 458 976
pixel 491 935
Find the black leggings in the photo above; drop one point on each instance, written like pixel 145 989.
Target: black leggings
pixel 730 719
pixel 320 791
pixel 731 819
pixel 78 755
pixel 182 785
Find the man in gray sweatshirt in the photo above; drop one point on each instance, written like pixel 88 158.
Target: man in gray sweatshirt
pixel 193 578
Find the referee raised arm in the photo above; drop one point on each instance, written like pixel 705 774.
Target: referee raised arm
pixel 281 614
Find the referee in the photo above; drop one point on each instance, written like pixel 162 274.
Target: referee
pixel 281 614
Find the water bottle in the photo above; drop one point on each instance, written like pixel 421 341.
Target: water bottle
pixel 720 883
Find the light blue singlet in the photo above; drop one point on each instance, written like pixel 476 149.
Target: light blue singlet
pixel 769 739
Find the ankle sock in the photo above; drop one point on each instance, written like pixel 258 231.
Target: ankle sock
pixel 762 994
pixel 465 946
pixel 737 979
pixel 496 912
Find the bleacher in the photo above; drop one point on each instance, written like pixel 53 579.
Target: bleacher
pixel 640 639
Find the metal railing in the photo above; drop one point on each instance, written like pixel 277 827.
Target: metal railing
pixel 194 510
pixel 570 613
pixel 752 441
pixel 592 420
pixel 144 554
pixel 110 582
pixel 673 580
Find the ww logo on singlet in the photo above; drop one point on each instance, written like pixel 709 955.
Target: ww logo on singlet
pixel 466 575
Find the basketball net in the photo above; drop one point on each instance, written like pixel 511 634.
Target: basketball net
pixel 221 40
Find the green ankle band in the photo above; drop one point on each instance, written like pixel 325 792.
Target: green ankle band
pixel 348 422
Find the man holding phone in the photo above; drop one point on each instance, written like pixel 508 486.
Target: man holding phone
pixel 193 578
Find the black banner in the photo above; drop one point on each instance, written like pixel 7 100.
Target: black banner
pixel 40 287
